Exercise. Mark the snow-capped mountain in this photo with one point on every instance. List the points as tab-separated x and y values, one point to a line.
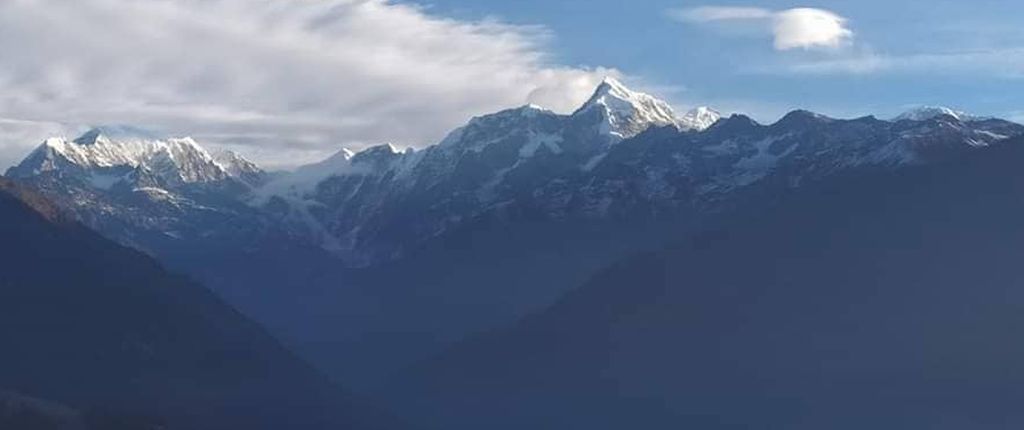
626	113
623	155
923	113
139	187
699	119
238	167
106	156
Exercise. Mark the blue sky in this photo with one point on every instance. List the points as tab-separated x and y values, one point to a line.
732	68
286	82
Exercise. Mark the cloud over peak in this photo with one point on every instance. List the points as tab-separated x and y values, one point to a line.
798	28
283	80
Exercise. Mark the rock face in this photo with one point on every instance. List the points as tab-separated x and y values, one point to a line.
103	329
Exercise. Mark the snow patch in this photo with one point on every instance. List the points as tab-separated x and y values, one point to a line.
538	140
103	181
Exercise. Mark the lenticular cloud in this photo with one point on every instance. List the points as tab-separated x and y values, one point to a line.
797	28
809	28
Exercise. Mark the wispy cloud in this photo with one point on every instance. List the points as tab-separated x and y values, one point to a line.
1006	63
18	136
289	79
798	28
720	13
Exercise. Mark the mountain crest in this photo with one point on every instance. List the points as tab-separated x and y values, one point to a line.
111	152
735	123
802	118
626	113
700	118
923	113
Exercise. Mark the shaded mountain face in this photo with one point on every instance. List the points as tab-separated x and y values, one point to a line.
104	330
882	300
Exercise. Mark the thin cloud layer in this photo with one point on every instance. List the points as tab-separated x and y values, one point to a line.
1000	63
287	81
798	28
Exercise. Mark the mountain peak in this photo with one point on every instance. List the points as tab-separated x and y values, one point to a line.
700	118
922	113
801	117
626	113
239	167
611	85
735	123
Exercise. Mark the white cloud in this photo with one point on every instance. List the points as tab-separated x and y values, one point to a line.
286	80
798	28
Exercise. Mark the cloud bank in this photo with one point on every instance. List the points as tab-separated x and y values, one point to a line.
285	81
798	28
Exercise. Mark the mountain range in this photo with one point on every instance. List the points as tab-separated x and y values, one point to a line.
372	261
380	204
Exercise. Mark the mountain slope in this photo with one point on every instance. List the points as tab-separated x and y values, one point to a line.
881	300
91	324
